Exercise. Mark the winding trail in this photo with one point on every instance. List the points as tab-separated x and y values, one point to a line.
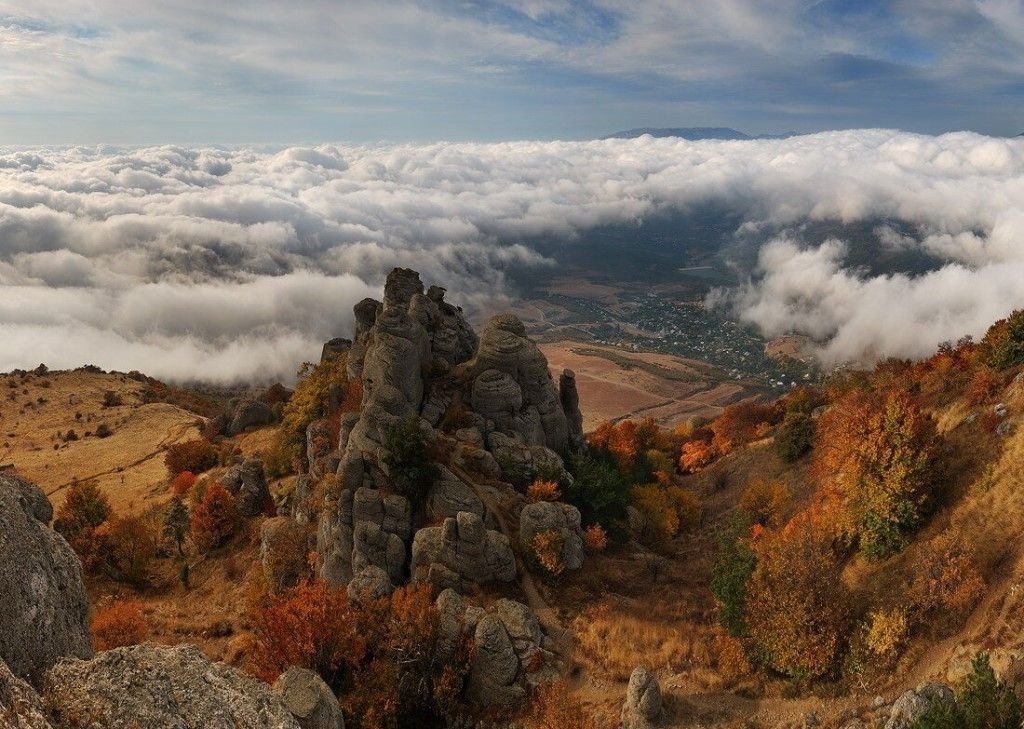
546	616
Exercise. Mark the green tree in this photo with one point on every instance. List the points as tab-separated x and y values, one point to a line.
795	437
1003	345
176	523
598	490
408	459
734	566
982	702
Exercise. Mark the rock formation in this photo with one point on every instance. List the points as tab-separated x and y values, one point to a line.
309	699
157	686
643	706
364	526
913	704
247	482
283	550
416	356
248	413
550	516
20	706
462	552
45	611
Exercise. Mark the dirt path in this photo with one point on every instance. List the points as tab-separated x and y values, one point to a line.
545	615
172	436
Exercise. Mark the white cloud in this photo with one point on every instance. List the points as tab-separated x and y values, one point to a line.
118	255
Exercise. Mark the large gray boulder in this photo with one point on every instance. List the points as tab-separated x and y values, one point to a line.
449	495
249	413
461	553
913	704
247	482
388	525
45	613
643	707
553	516
20	706
309	699
158	686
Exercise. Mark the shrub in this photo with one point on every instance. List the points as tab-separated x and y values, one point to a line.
552	708
598	490
796	603
408	460
82	520
983	387
795	437
543	491
886	631
104	431
111	399
183	483
733	567
547	551
765	500
120	624
741	423
311	626
595	538
1003	344
878	452
311	401
661	521
193	455
214	518
133	544
696	456
945	582
687	507
731	657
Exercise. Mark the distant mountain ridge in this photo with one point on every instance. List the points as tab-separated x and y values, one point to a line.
693	133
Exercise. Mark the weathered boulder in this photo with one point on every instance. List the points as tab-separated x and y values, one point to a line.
309	699
570	398
301	502
551	516
45	613
320	451
249	413
462	552
158	686
341	555
20	706
449	495
247	482
371	582
643	706
371	545
283	553
498	397
913	704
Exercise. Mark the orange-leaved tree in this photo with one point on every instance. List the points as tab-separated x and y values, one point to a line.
796	604
214	518
877	452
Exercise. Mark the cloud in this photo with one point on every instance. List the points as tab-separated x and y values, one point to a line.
227	263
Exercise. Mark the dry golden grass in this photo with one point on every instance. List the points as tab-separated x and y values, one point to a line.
128	465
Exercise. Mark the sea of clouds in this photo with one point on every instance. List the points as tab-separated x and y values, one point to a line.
236	264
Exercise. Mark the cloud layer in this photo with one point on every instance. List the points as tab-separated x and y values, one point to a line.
229	264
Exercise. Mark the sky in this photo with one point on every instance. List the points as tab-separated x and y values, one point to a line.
136	72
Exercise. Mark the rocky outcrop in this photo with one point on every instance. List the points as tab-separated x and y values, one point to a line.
20	706
370	583
913	704
462	552
309	699
320	452
450	494
570	398
45	611
562	519
157	686
334	347
248	413
247	482
283	552
642	708
342	555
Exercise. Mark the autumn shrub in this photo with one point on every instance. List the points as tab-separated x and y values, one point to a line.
878	453
193	455
687	506
121	623
410	674
313	626
183	483
887	630
731	657
741	423
765	500
595	538
733	567
598	490
1003	344
551	707
696	455
82	521
796	602
410	466
214	518
945	582
133	543
984	386
543	491
661	520
547	549
311	400
795	437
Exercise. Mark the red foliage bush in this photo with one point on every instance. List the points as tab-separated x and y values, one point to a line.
214	518
120	624
194	455
183	483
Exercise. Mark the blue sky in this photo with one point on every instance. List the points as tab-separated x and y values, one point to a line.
230	71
